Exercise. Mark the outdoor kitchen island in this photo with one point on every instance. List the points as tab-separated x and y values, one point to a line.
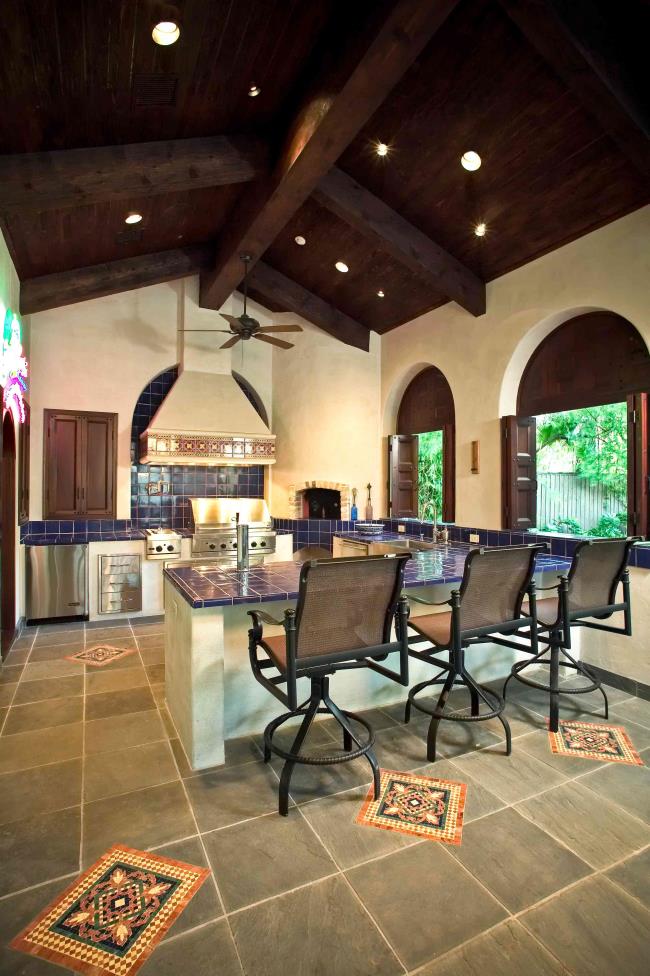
210	690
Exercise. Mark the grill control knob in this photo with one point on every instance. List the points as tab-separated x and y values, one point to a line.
159	548
263	544
234	545
170	548
254	545
223	545
212	546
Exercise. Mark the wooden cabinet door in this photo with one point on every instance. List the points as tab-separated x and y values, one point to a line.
98	485
403	475
519	472
62	475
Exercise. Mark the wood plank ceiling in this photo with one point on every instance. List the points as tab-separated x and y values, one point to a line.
563	147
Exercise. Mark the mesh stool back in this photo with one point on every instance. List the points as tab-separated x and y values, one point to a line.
596	571
494	585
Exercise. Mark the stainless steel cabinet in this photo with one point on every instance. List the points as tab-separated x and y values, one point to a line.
120	583
56	581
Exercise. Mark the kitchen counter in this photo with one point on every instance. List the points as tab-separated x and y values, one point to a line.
207	587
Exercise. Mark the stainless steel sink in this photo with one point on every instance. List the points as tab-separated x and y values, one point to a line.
401	545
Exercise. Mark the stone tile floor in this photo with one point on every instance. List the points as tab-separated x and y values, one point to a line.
551	877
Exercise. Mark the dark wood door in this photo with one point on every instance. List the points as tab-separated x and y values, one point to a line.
8	529
80	464
519	472
637	464
403	474
97	490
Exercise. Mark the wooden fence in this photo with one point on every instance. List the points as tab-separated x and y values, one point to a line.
565	495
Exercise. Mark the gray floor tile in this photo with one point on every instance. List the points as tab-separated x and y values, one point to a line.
238	752
155	673
125	770
10	673
512	778
519	863
40	790
49	688
134	729
99	681
600	833
118	703
55	638
16	913
44	715
208	951
143	819
425	871
52	669
265	857
478	801
400	747
55	652
106	635
634	876
7	695
333	819
229	795
508	950
634	710
205	905
595	929
152	656
26	749
158	692
18	656
458	738
3	714
39	848
628	786
320	930
318	735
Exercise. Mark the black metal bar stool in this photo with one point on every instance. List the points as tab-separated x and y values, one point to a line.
343	619
588	591
489	601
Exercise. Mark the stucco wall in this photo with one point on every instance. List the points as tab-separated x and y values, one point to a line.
483	358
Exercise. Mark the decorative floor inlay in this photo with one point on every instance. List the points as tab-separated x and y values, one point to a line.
419	805
112	917
607	743
101	655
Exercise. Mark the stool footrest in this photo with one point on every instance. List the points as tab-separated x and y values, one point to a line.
306	759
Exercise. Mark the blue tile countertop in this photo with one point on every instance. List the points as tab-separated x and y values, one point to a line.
279	581
81	538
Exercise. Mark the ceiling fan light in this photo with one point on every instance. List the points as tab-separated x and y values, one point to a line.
166	32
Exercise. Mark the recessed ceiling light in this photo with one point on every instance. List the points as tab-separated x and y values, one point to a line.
381	149
480	230
380	293
166	32
300	240
133	218
470	160
341	266
254	91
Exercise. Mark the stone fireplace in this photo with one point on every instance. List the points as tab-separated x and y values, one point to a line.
313	496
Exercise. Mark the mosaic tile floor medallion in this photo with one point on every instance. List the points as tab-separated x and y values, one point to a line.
418	805
607	743
101	655
109	921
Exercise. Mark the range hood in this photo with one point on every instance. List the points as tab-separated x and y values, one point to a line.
206	419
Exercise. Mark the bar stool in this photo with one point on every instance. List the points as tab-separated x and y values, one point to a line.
343	620
588	591
489	601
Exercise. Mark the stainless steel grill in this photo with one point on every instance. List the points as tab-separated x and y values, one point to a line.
163	544
215	528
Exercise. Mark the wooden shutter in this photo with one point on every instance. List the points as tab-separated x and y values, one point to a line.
519	472
63	460
637	464
99	468
23	468
449	473
403	476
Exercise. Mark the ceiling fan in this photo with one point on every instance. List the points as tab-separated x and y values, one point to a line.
246	327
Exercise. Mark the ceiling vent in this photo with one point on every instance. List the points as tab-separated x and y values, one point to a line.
154	90
129	235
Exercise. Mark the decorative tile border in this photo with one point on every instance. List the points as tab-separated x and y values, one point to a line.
591	740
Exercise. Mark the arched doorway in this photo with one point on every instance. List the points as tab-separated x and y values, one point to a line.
8	541
594	365
426	416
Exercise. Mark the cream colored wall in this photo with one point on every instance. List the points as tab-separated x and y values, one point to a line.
483	358
326	414
99	354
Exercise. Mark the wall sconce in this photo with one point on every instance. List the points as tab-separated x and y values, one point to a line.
475	468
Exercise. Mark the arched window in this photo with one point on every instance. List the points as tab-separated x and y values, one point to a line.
422	453
575	456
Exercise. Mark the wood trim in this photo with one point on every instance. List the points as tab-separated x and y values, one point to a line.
44	181
368	214
278	289
24	440
332	113
99	280
449	473
637	464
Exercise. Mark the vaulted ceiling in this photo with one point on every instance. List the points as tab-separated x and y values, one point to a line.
98	121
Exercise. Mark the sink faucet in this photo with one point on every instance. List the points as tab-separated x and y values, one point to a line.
432	505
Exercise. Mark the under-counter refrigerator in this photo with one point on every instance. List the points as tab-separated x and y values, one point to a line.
56	580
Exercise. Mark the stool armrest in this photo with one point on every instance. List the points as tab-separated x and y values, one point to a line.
262	615
429	603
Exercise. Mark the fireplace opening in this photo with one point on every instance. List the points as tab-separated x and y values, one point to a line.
322	503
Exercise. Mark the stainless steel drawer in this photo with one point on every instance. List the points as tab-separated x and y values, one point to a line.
120	583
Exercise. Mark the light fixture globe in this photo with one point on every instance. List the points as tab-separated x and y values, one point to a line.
166	32
341	266
470	160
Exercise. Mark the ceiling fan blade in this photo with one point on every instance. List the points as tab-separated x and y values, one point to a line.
230	342
224	331
274	342
230	319
280	328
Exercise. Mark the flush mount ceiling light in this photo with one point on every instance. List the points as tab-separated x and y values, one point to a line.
470	160
381	293
166	32
133	218
381	149
480	230
254	91
341	266
299	239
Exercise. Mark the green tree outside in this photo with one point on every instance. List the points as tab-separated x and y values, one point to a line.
430	471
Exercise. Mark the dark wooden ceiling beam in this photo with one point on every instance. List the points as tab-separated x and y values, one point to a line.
330	117
277	288
73	177
372	217
81	284
576	45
